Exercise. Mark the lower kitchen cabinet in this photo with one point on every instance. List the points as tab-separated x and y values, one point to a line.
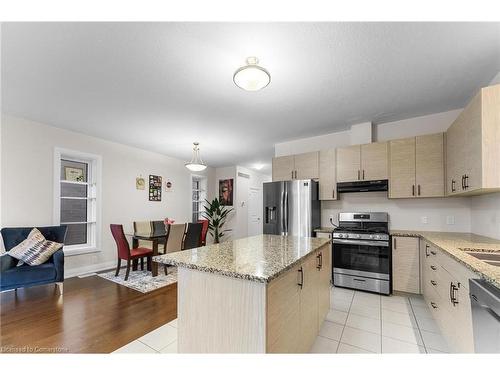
297	303
405	264
445	286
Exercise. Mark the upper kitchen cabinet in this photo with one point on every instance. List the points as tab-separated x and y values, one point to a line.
283	168
298	167
327	175
362	162
473	146
417	167
306	165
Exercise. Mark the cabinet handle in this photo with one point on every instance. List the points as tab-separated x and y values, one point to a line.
466	181
413	190
453	289
394	243
433	268
427	250
318	257
320	260
463	182
418	189
301	283
358	174
363	174
434	306
362	280
453	186
433	282
292	175
333	193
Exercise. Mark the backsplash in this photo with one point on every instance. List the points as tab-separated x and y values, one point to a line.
405	213
485	215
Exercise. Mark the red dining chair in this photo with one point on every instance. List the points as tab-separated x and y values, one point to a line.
125	252
204	230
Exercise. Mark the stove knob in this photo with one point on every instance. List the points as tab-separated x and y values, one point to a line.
377	237
341	235
371	237
358	236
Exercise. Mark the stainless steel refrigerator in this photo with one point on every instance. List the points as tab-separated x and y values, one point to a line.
291	208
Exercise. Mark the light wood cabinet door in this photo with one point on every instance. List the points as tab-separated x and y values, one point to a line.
306	165
349	163
452	159
327	176
309	303
406	264
325	271
374	161
402	168
472	152
430	165
283	168
283	313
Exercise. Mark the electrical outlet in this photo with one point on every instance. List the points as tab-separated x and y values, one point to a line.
330	217
425	219
450	220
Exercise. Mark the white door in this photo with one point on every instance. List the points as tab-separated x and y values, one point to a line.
255	211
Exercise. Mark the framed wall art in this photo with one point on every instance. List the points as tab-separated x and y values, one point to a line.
226	192
154	188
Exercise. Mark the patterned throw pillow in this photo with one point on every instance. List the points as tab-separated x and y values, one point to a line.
35	249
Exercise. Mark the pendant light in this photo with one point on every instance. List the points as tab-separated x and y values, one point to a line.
251	77
196	164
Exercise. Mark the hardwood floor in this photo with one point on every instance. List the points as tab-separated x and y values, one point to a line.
93	316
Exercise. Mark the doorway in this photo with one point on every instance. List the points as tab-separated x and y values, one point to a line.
255	203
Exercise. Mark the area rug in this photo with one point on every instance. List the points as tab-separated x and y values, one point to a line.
142	281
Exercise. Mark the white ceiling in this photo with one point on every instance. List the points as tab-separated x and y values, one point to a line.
161	86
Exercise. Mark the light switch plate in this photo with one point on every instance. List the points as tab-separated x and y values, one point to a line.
450	220
425	220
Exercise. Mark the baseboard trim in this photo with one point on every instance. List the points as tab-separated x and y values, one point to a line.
89	269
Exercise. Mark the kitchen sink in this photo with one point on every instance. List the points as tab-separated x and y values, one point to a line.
492	258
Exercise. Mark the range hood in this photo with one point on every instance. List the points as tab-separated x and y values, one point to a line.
359	186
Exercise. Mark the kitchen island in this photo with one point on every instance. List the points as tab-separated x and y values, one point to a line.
261	294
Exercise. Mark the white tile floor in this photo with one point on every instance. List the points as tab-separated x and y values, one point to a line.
357	322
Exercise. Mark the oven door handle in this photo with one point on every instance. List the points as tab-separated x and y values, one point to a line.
361	242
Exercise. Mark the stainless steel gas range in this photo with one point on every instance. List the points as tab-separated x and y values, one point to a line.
362	252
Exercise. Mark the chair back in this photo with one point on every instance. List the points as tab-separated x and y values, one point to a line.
193	236
143	227
122	245
204	231
14	236
175	237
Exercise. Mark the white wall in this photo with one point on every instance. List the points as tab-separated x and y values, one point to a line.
27	184
404	213
485	215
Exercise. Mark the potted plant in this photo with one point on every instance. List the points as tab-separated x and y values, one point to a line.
216	214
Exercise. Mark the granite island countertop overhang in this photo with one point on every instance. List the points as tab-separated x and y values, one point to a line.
455	244
259	258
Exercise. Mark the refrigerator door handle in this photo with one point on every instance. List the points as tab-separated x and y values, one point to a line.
282	212
286	213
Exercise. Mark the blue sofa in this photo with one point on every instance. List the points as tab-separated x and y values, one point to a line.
52	271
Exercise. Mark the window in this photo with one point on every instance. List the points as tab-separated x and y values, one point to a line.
199	196
76	199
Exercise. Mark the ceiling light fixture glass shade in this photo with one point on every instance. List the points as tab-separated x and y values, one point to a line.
196	164
252	77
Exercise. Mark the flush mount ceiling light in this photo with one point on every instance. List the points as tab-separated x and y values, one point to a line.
196	164
252	77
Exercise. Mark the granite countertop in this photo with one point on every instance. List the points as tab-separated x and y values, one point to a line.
259	258
456	244
324	229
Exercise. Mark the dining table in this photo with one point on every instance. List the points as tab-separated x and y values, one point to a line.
155	237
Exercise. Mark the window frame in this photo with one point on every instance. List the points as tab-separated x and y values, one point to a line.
94	179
